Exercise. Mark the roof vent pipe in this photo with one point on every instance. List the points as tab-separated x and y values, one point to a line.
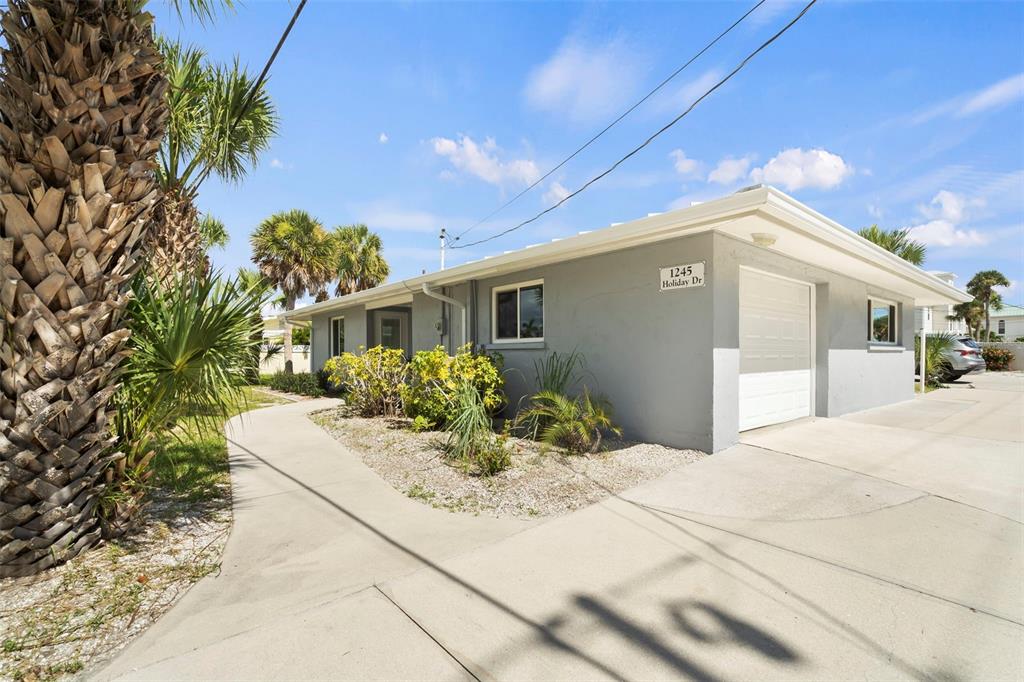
458	304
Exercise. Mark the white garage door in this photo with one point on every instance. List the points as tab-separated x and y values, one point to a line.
775	350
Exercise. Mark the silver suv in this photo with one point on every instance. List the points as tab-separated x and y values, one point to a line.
964	357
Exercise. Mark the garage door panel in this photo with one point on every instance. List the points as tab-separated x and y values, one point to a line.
775	350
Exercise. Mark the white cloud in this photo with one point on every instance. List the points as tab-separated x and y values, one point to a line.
729	170
685	95
556	192
685	166
586	82
277	163
950	206
797	168
482	160
944	233
383	138
875	211
1008	293
994	96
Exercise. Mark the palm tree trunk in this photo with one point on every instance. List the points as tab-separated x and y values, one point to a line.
82	114
289	304
175	242
988	319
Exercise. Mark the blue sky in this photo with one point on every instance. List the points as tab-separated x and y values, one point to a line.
413	116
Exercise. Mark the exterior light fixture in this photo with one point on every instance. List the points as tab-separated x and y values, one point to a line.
763	238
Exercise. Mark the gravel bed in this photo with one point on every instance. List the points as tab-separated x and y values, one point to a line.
542	481
72	617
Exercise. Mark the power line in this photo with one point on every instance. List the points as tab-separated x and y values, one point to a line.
649	139
251	98
624	114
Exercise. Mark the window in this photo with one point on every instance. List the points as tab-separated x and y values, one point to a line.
337	336
882	323
391	332
518	312
1002	327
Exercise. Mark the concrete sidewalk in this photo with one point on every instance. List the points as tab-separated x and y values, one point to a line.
827	549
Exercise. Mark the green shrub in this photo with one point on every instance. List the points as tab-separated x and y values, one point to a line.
575	424
373	381
1019	339
301	383
997	359
558	372
434	377
470	439
936	363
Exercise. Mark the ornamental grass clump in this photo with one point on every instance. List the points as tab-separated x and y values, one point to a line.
430	395
471	442
936	364
372	382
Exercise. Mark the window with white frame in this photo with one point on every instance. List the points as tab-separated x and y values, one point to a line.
337	336
1002	327
882	322
517	312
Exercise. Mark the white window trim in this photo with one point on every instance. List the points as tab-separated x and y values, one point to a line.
331	337
895	343
494	312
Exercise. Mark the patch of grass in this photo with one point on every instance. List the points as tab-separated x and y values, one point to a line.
417	492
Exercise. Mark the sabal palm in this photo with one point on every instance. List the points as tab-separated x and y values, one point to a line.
219	124
294	251
982	287
573	423
361	264
82	114
896	241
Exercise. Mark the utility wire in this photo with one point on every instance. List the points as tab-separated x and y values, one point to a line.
251	98
624	114
649	139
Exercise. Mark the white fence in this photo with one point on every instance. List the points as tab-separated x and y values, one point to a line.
300	360
1016	348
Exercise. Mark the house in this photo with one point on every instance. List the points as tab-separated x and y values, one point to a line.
696	324
1008	321
936	319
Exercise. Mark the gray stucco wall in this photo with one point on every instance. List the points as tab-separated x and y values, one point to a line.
668	361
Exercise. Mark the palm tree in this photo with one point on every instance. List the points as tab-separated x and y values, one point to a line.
83	111
982	287
293	251
972	313
360	263
218	124
896	241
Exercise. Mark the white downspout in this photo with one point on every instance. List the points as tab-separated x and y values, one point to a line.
447	299
924	378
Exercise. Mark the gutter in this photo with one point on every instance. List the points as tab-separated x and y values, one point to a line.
448	299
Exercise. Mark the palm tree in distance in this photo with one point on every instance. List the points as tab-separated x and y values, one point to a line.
360	262
982	287
294	251
896	241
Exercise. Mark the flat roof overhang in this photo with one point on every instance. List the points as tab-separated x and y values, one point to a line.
800	232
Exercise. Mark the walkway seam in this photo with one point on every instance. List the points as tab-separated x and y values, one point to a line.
425	631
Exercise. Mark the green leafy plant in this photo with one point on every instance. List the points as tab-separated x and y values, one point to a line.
434	377
576	424
421	424
301	383
191	350
373	381
936	364
470	438
558	372
997	359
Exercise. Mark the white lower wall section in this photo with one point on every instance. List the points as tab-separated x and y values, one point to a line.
726	398
774	397
859	379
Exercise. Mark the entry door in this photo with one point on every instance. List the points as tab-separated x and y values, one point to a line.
775	350
390	332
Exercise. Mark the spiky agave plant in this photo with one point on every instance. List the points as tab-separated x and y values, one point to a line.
192	346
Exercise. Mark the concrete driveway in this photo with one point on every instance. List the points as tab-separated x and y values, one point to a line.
886	545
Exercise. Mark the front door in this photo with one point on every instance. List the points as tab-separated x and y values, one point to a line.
775	349
390	331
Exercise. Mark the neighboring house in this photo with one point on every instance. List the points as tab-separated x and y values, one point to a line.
273	329
934	319
696	324
273	337
1008	321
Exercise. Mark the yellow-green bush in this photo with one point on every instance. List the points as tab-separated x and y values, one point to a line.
373	382
434	377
